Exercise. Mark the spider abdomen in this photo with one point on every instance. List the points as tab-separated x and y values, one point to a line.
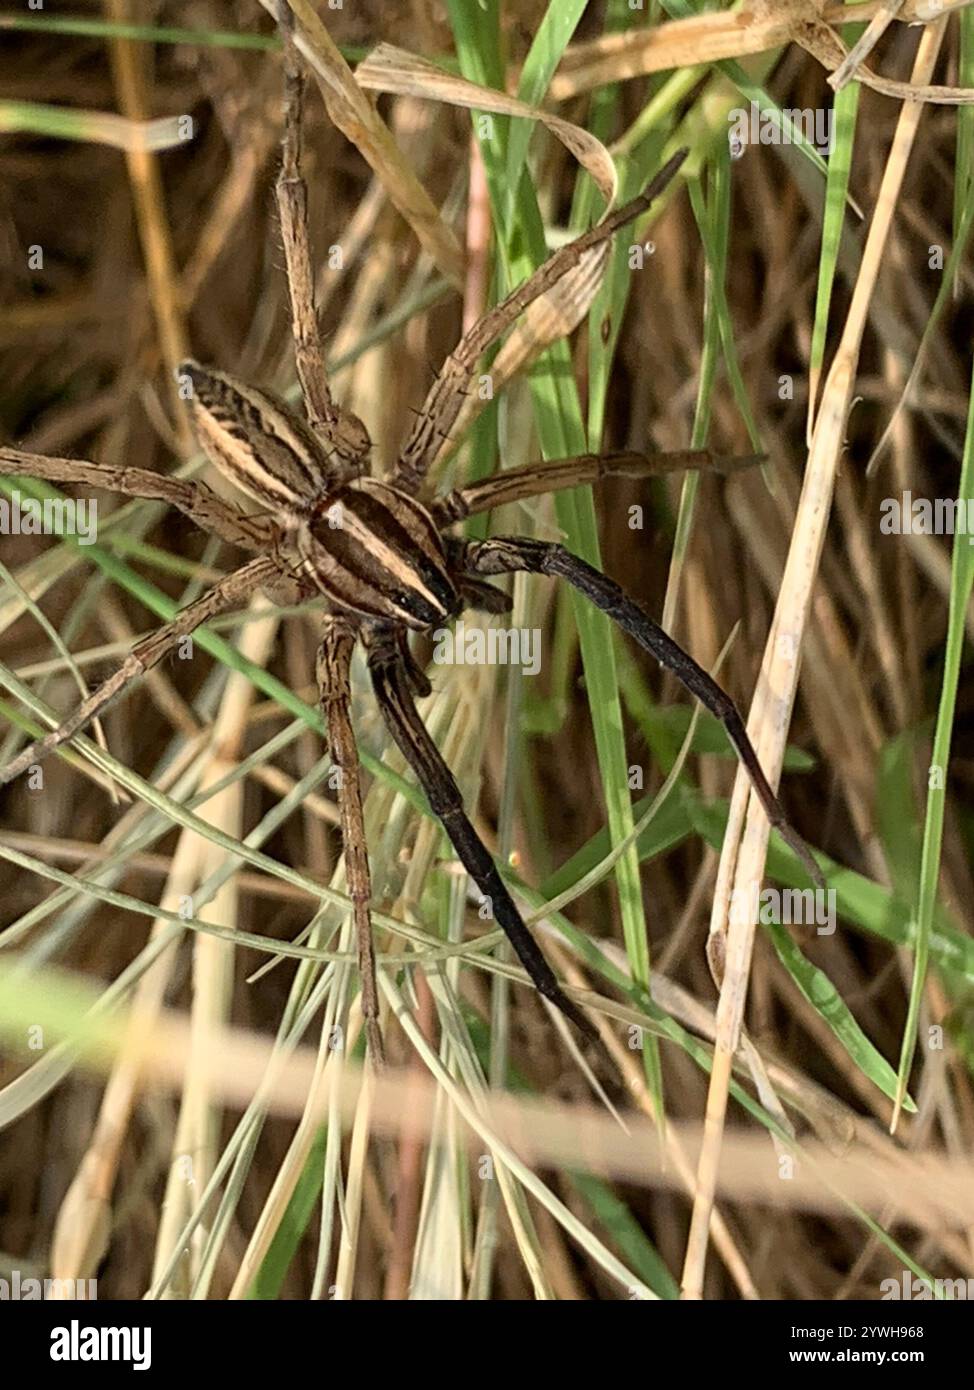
376	551
256	441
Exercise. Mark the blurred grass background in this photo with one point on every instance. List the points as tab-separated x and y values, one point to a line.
225	821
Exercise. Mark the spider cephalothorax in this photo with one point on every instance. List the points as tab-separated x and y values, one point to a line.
386	562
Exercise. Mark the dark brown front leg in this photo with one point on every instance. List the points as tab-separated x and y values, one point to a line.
391	684
508	554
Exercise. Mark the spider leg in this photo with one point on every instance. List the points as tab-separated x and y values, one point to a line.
228	593
418	680
509	554
195	500
344	434
535	479
483	597
474	593
391	684
445	397
333	667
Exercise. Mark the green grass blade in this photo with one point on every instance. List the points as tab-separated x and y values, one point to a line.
961	582
845	112
825	999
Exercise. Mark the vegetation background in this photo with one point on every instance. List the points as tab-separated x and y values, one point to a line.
818	311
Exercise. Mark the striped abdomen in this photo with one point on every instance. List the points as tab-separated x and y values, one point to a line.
257	441
376	551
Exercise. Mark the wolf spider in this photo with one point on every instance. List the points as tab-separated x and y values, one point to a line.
390	565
